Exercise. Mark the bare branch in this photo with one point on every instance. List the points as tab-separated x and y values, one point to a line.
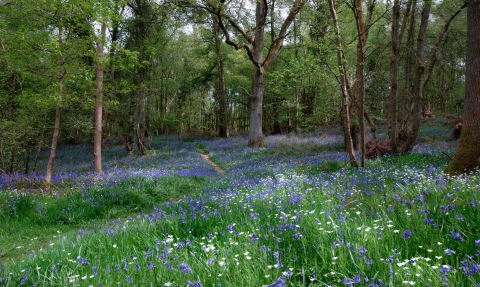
434	59
278	43
248	93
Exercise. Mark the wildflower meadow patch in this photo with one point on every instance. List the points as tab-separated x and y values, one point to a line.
290	214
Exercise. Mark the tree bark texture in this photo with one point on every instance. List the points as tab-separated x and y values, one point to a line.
419	78
221	94
359	88
255	135
396	36
344	87
467	156
97	141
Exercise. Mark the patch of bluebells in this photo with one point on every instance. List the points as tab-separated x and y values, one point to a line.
291	201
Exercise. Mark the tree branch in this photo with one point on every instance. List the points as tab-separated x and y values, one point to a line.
277	45
433	59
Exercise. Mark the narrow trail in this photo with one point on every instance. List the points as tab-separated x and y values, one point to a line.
217	168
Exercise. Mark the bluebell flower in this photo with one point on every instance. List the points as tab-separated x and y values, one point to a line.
406	234
24	278
456	235
194	284
82	261
348	281
185	268
449	251
129	279
279	283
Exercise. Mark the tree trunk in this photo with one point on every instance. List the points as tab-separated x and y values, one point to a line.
221	93
97	141
396	35
419	78
255	54
56	126
392	117
255	136
141	127
402	130
467	156
360	76
344	88
53	148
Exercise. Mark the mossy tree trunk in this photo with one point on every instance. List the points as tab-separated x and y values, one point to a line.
467	156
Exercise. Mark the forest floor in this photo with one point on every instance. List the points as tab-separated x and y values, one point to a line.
290	214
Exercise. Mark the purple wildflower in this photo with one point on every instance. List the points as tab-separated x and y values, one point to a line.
406	234
449	251
129	279
194	284
185	268
456	235
24	278
279	283
82	261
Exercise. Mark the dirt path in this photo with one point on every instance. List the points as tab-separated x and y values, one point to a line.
217	168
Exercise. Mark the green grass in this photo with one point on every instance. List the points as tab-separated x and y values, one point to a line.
29	220
312	225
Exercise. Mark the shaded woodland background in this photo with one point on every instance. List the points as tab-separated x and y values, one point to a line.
166	69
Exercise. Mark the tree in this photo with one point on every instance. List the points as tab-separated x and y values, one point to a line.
467	156
61	81
254	35
423	74
97	142
220	90
344	87
359	87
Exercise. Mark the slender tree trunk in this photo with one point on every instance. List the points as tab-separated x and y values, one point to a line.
467	156
392	119
343	82
402	129
419	78
56	126
141	127
360	74
53	148
97	141
396	35
433	58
